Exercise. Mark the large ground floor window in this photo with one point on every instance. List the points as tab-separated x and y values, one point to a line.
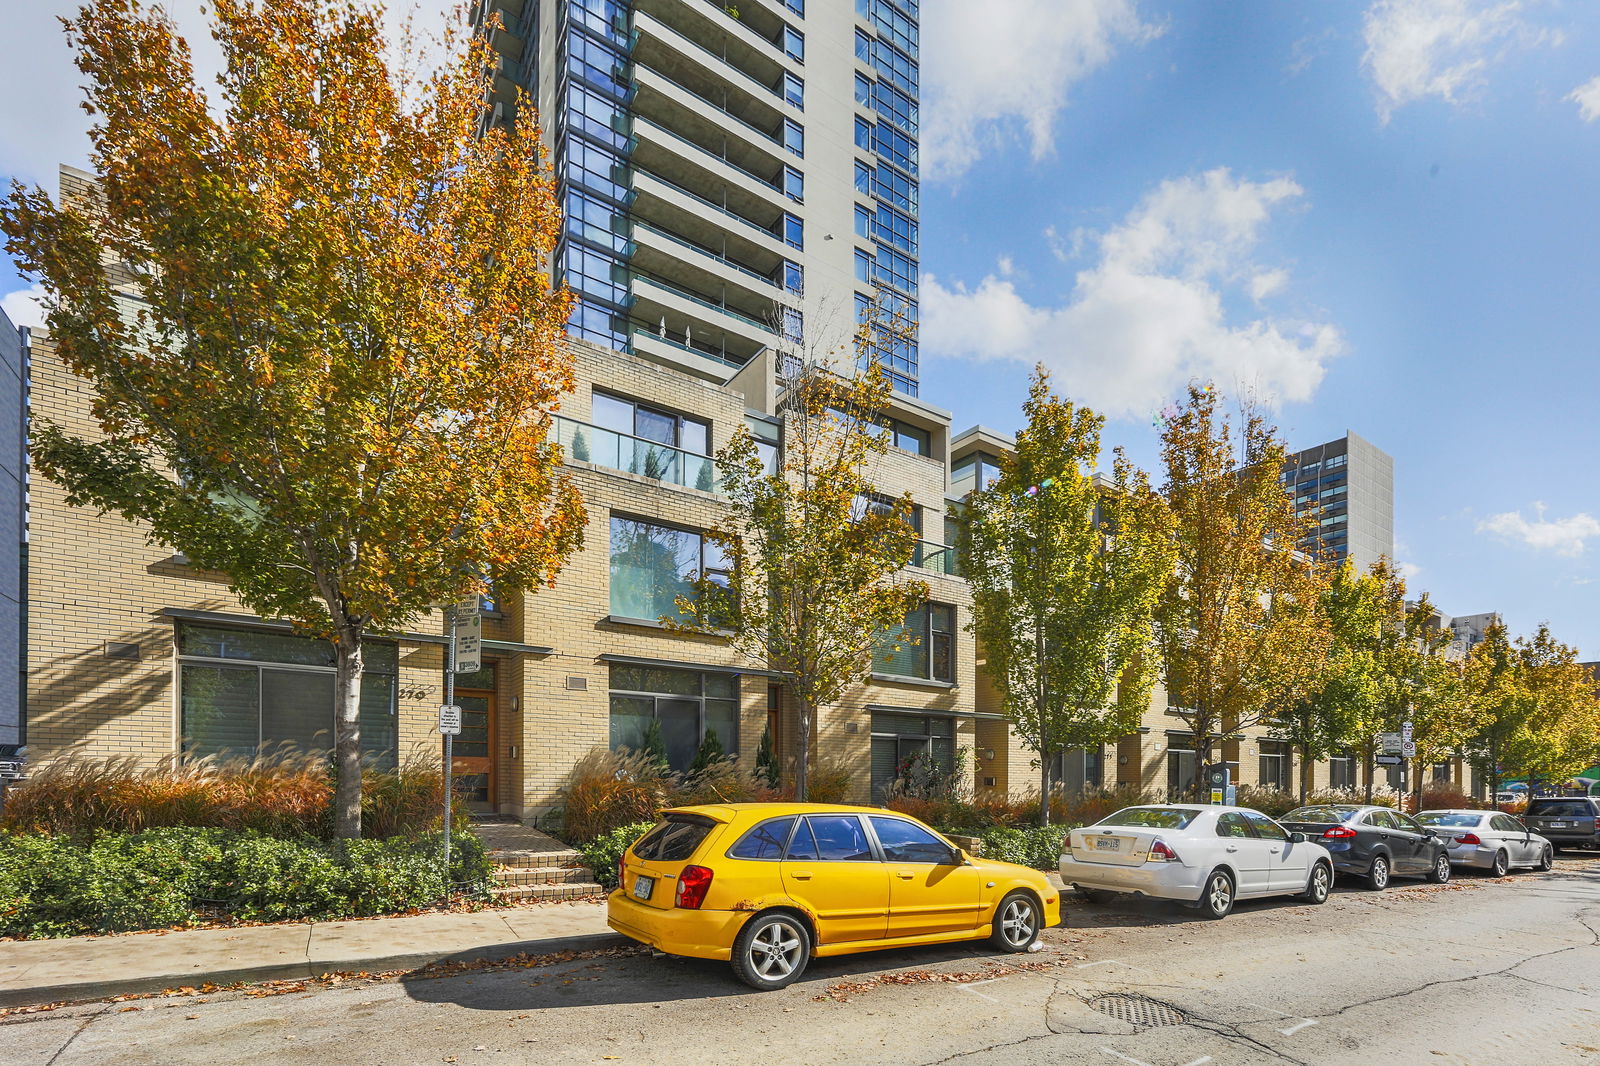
1180	766
900	741
687	703
244	691
1274	756
1079	769
1342	771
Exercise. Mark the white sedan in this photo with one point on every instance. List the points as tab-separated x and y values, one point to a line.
1206	856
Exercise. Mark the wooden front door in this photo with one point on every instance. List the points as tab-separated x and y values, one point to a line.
473	762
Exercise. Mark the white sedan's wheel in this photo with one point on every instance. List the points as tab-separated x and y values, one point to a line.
1216	899
1319	885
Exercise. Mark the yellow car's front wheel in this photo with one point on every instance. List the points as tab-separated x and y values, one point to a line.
771	951
1016	922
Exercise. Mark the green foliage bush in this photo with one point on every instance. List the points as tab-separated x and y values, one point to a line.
158	878
602	853
1271	802
1036	846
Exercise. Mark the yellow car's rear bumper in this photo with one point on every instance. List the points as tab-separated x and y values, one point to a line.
702	934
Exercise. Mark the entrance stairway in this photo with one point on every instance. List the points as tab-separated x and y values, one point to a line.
530	865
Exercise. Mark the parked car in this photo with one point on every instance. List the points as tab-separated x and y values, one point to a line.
1373	843
1489	840
1206	856
1566	821
768	886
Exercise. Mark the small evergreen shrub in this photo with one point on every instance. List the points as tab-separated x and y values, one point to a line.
603	852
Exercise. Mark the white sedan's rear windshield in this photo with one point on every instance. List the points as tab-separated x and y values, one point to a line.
1453	821
1151	817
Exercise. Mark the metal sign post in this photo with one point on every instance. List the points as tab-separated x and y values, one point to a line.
449	736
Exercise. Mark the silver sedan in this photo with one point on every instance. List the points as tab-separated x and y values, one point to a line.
1489	840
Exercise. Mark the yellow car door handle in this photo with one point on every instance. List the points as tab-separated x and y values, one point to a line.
905	876
801	875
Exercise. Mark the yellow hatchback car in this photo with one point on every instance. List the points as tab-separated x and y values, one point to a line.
769	885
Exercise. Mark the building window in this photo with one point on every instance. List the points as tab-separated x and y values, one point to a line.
793	231
1079	769
651	423
791	325
1180	766
864	267
768	438
794	278
794	89
688	704
794	44
975	471
794	137
932	657
794	184
652	565
1342	771
1441	772
901	741
1274	756
245	691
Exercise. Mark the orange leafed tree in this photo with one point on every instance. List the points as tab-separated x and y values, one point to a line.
317	318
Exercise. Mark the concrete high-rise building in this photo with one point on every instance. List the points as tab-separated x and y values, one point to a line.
1348	485
736	178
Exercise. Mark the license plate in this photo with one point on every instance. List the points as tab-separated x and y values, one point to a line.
1107	844
1558	825
643	886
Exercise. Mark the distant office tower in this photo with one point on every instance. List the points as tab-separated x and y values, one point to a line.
1349	485
13	400
737	177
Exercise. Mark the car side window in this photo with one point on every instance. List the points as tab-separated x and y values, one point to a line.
1382	820
840	838
1265	827
765	841
903	842
1506	824
1233	824
1405	822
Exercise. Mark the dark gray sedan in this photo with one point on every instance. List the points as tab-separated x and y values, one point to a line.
1489	840
1373	843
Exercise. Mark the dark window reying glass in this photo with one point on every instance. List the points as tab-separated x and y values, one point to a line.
765	841
839	838
904	842
1151	817
674	840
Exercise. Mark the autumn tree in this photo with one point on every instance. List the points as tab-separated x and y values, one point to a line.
816	550
1494	682
1559	733
1334	715
317	319
1066	567
1239	625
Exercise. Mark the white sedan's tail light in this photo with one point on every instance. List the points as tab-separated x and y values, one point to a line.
1161	851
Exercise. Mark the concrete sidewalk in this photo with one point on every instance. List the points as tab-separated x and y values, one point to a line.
92	967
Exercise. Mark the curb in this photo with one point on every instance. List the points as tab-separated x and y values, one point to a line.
103	988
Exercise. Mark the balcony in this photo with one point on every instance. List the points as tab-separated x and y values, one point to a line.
635	455
940	558
674	252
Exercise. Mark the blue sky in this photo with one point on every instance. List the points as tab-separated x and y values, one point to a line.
1377	216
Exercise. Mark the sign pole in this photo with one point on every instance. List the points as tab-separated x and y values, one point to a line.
449	738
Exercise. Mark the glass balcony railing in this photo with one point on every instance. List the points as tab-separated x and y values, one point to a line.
707	252
940	558
636	455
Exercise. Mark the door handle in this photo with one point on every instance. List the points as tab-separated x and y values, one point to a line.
1273	850
905	876
1231	847
801	875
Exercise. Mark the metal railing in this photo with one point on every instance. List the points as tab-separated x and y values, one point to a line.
940	558
636	455
703	250
685	294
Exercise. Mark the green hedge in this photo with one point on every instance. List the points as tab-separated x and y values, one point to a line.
602	853
1035	846
57	886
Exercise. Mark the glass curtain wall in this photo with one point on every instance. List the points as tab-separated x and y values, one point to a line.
687	703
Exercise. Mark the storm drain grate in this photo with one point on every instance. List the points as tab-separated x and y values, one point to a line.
1137	1010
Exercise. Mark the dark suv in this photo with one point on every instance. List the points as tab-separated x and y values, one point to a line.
1373	843
1565	821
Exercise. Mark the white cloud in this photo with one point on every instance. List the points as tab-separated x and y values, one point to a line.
1149	314
1001	70
24	306
1564	536
1407	571
1422	48
41	124
1587	97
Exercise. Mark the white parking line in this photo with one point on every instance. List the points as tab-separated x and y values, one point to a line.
1293	1029
1110	962
1201	1061
968	987
1305	1023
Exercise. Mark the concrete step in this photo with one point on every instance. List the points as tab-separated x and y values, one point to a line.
532	859
545	875
526	893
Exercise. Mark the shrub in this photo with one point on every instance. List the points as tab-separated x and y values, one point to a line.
767	761
60	886
719	781
1437	796
710	751
282	794
1035	846
830	781
603	852
1272	802
608	789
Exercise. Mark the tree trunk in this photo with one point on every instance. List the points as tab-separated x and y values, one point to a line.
1305	773
1044	784
1416	787
802	748
347	732
1494	775
1367	765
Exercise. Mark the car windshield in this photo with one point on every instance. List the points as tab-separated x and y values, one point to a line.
1453	821
674	840
1326	814
1152	817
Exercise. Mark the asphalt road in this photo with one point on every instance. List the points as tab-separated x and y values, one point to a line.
1481	971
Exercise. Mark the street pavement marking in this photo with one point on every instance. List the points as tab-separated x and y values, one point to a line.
967	987
1305	1023
1111	962
1201	1061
